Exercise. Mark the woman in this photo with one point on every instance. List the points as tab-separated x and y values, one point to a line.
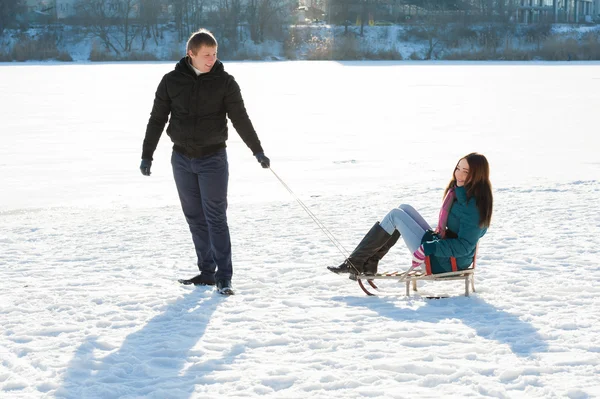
464	218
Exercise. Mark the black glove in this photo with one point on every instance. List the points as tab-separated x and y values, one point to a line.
145	167
263	160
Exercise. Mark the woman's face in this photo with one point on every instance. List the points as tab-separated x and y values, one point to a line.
461	172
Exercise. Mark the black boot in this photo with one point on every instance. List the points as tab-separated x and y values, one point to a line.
371	265
370	244
203	278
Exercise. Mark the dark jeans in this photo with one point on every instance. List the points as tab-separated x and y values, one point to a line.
202	187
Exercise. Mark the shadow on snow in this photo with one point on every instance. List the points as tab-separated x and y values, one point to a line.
488	321
152	361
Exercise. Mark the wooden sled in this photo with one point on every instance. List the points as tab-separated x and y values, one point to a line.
412	276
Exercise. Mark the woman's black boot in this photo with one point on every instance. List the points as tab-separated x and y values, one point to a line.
370	244
370	267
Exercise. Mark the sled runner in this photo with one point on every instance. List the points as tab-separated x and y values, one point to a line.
412	276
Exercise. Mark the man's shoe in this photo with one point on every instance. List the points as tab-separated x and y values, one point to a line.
201	279
224	287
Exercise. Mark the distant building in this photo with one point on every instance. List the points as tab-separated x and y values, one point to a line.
565	11
58	9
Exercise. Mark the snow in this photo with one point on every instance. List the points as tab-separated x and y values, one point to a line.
91	249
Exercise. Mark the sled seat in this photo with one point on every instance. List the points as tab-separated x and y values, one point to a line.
468	275
412	276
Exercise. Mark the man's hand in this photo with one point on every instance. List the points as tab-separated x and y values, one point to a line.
263	160
145	167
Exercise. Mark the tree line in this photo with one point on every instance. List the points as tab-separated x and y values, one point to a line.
140	20
121	25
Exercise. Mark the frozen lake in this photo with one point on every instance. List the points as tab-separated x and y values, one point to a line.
90	250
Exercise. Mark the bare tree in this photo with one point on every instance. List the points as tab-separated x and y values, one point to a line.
198	13
111	22
95	16
339	12
264	15
149	14
189	15
432	27
433	32
9	9
124	14
229	18
367	9
253	13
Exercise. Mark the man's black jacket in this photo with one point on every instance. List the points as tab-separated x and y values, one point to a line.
198	106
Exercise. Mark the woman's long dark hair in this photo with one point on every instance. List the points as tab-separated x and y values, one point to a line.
477	185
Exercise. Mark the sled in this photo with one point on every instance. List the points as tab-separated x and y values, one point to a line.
412	276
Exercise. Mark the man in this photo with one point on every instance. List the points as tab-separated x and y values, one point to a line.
199	94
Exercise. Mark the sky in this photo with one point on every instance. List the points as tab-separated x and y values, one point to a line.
91	250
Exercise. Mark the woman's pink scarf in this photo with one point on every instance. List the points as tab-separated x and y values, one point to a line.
443	219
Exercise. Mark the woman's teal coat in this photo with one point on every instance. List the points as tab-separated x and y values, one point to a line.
463	220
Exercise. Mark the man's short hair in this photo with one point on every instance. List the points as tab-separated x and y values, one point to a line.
201	38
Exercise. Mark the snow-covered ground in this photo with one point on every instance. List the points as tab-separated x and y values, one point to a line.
90	250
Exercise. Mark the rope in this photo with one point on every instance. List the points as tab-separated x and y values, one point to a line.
324	229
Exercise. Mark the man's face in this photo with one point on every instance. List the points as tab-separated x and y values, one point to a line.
204	59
